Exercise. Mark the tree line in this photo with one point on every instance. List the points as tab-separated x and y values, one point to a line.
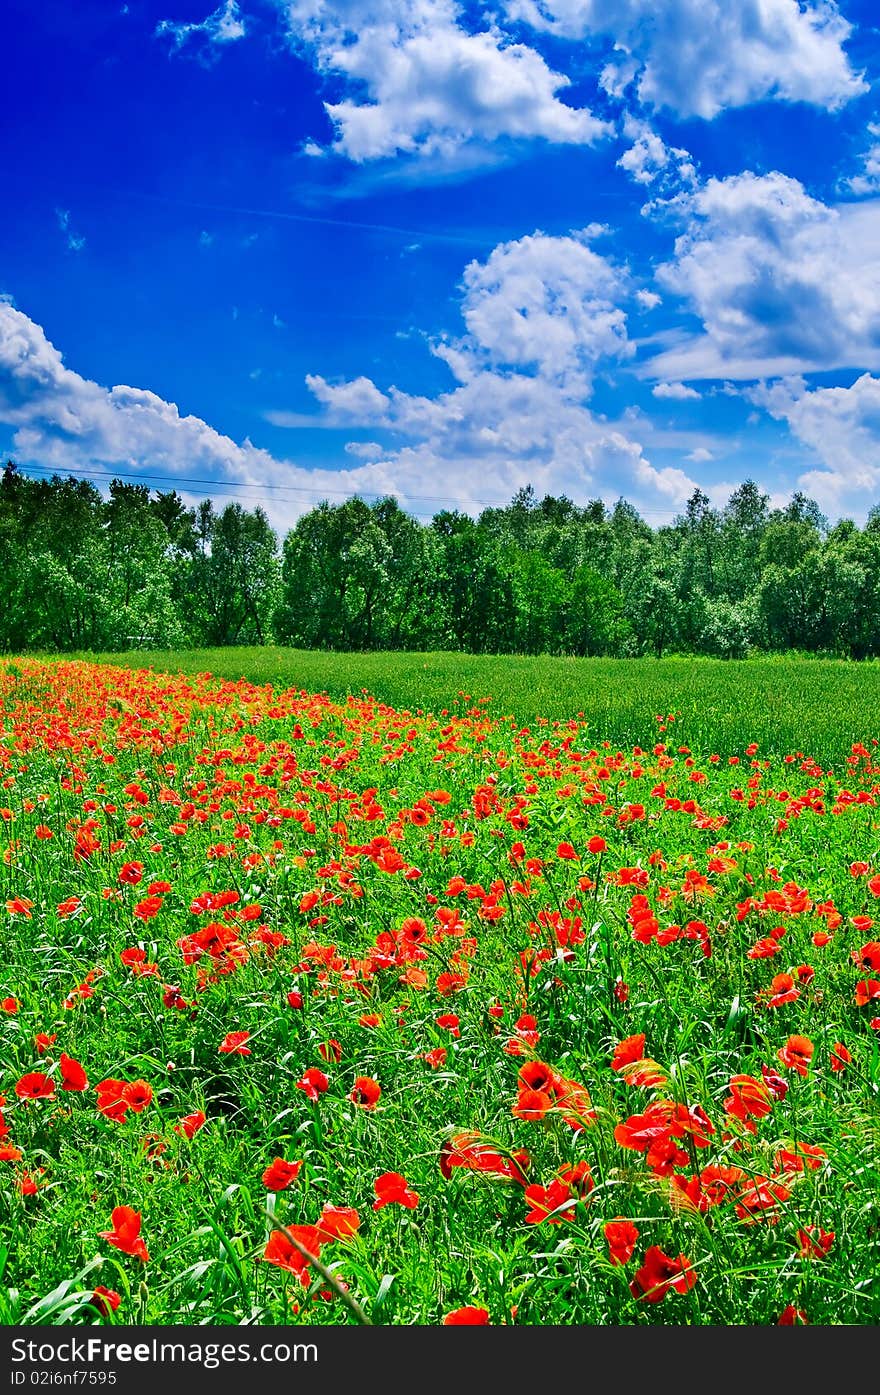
541	576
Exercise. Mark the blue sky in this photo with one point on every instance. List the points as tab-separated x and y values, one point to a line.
291	249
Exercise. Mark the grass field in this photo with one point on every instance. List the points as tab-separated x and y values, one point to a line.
822	706
319	1010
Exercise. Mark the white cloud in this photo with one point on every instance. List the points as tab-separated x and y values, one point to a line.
842	426
649	300
75	243
539	315
868	181
674	392
699	57
224	26
781	282
699	455
418	82
649	159
545	302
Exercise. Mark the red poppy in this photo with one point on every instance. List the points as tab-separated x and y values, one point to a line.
337	1223
330	1051
537	1076
840	1057
660	1273
867	991
280	1174
43	1040
621	1236
449	1022
313	1083
437	1057
137	1095
234	1043
467	1317
554	1203
366	1092
9	1005
72	1074
393	1189
796	1054
131	873
106	1300
281	1251
792	1317
190	1124
35	1086
125	1235
111	1101
477	1154
533	1105
629	1050
814	1242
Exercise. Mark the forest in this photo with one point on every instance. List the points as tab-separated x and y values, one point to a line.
139	569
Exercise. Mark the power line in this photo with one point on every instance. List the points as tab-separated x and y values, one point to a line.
263	487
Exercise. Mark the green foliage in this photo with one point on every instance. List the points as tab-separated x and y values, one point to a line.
537	577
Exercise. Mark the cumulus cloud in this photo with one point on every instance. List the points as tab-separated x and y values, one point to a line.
675	392
841	425
782	282
417	81
651	162
539	314
867	181
699	57
204	39
548	303
475	444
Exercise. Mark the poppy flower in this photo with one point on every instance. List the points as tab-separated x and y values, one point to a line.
629	1050
337	1223
190	1124
840	1057
72	1074
537	1075
393	1189
814	1242
867	991
281	1251
111	1101
467	1317
660	1274
437	1057
9	1005
280	1174
792	1317
313	1083
9	1153
330	1051
44	1040
533	1105
621	1236
106	1300
366	1092
450	1023
138	1095
294	999
554	1203
796	1054
35	1086
125	1235
234	1044
476	1154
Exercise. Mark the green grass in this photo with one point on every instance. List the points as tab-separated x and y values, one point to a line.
820	706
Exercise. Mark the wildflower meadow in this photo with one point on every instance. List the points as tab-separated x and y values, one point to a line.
318	1010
